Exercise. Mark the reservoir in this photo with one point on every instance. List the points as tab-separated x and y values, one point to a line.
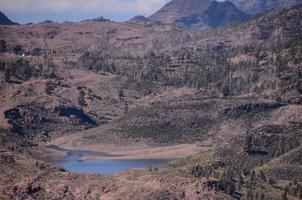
72	163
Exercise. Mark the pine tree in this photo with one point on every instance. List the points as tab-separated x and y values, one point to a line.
300	192
284	196
262	175
252	177
7	75
248	143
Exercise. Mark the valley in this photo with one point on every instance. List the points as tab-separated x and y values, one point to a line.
202	100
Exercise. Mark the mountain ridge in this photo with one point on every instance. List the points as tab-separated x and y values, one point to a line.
176	9
235	92
217	14
259	6
199	13
4	20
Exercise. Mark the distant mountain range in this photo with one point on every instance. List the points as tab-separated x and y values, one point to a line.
227	99
203	13
208	13
178	9
260	6
4	20
199	13
217	14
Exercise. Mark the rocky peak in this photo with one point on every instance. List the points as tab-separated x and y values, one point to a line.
178	9
222	13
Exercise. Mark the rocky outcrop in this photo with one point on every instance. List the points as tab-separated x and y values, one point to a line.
73	112
36	122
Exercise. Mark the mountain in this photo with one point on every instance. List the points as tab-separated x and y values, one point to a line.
199	13
47	22
260	6
218	14
139	20
178	9
4	20
208	13
127	91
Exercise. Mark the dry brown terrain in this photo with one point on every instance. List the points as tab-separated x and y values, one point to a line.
226	101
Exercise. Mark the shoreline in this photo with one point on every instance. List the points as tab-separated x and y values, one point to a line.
127	152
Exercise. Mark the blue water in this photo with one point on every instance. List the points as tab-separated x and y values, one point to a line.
104	167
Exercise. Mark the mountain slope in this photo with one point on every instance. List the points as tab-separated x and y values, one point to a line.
235	91
4	20
178	9
224	13
199	13
260	6
218	14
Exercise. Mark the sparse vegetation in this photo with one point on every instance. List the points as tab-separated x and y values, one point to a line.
234	92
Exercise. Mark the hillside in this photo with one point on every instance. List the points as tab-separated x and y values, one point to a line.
177	9
199	13
220	14
234	92
88	35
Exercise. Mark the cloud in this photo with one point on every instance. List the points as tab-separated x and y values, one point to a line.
102	6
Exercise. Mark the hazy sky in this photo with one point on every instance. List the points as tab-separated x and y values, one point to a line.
25	11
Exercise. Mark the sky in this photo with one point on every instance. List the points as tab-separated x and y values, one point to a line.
26	11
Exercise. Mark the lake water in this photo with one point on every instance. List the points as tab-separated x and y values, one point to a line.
105	167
